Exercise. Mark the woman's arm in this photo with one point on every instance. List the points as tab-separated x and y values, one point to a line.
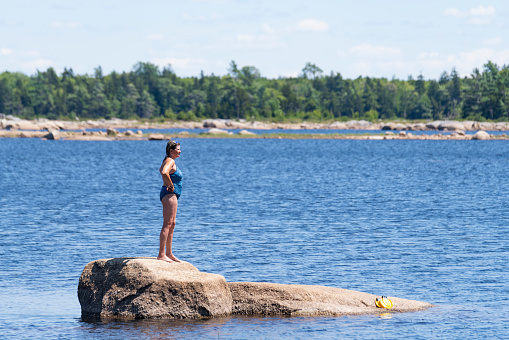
165	170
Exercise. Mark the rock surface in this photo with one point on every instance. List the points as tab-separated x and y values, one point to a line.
52	135
216	131
250	298
156	136
481	135
112	132
134	288
246	133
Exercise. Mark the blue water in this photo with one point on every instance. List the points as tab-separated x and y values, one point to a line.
423	220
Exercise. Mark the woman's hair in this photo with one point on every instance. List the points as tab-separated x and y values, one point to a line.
172	145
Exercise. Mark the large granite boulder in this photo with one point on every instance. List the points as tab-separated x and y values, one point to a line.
29	134
338	126
52	135
358	124
451	126
112	132
246	133
417	127
389	126
156	136
394	126
215	123
434	125
231	124
481	135
24	125
260	298
91	137
215	131
51	125
134	288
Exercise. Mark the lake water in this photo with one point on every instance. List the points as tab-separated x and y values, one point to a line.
416	219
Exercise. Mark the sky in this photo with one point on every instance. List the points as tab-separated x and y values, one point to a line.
390	38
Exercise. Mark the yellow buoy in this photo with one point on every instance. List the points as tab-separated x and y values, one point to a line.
383	302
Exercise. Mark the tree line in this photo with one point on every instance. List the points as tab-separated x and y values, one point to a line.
151	93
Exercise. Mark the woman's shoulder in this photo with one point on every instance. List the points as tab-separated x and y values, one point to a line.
168	160
167	165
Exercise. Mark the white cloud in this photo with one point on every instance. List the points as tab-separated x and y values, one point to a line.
248	38
32	54
266	28
202	18
182	63
310	25
464	62
38	64
269	38
68	24
260	41
454	12
477	16
427	55
479	21
431	68
214	2
371	51
367	61
363	68
154	37
493	41
373	60
482	11
6	51
467	61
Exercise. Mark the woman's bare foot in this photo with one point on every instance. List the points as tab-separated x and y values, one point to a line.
173	258
164	258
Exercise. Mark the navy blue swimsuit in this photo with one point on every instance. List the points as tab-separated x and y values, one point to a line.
176	178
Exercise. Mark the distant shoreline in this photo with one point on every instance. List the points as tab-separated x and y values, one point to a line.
218	128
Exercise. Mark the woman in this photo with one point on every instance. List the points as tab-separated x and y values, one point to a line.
169	195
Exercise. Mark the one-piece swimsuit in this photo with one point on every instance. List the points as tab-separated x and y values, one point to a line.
176	178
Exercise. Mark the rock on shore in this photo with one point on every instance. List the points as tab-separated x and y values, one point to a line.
15	123
133	288
481	135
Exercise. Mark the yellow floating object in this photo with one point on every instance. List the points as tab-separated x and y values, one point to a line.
383	302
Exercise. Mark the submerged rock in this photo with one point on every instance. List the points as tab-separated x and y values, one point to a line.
259	298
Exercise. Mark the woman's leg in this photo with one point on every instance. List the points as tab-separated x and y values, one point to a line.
166	236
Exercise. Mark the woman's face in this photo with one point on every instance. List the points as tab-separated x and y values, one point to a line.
175	153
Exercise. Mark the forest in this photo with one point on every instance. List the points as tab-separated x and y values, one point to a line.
147	92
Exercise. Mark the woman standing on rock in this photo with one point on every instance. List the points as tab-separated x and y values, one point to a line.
169	195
